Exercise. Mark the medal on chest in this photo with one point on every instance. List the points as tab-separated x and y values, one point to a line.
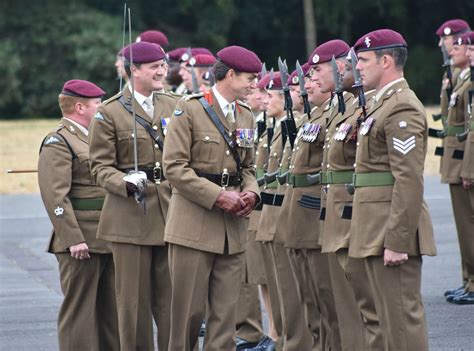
366	126
245	137
164	125
310	132
342	132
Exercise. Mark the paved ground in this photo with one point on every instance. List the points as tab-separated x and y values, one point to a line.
30	294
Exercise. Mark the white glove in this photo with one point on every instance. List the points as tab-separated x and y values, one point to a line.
135	177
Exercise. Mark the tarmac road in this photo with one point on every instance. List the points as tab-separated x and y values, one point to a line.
30	294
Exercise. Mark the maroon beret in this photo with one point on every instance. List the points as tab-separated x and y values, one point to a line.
454	26
202	60
293	79
465	39
175	55
82	88
240	59
380	39
144	52
270	84
153	36
325	52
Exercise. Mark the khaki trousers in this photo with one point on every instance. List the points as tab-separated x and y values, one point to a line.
270	278
398	302
356	275
463	209
249	314
88	315
198	277
297	335
310	299
321	279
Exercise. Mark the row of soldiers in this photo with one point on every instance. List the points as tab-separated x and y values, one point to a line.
310	192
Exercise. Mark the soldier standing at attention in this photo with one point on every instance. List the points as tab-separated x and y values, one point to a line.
391	227
209	162
143	285
88	316
462	193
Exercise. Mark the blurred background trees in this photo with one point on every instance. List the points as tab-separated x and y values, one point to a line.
45	43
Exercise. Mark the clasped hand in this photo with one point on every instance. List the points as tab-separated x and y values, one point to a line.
240	204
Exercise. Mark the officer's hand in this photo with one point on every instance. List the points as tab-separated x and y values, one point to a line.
466	183
250	199
131	188
394	258
230	201
79	251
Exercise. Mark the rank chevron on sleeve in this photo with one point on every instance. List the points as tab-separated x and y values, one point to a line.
404	146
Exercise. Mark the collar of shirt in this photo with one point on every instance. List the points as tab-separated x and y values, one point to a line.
80	127
464	72
141	98
386	87
223	103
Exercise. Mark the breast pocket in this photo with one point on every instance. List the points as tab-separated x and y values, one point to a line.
206	146
125	144
81	169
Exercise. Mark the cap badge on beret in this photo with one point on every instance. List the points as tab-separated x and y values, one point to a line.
367	41
192	61
315	58
447	31
459	41
185	57
295	80
139	39
270	84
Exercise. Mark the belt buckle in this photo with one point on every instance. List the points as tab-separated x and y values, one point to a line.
225	178
157	173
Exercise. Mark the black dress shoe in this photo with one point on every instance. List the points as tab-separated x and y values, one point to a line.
243	344
464	299
265	344
454	291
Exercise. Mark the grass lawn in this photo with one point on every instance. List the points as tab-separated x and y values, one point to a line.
20	140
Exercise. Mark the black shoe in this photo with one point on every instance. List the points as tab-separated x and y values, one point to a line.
243	345
464	299
454	291
265	344
202	331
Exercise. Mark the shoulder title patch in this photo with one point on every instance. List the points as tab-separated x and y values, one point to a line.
99	116
51	140
178	112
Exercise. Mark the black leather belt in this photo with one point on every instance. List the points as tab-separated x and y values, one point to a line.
224	179
272	199
152	174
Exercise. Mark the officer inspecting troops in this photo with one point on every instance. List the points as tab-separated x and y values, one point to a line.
136	231
88	316
462	193
391	228
208	159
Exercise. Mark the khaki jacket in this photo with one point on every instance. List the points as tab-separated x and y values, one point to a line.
111	151
457	117
393	216
64	174
299	226
340	156
197	145
467	169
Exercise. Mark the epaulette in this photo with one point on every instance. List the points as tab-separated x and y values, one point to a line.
192	96
113	98
173	94
167	94
243	104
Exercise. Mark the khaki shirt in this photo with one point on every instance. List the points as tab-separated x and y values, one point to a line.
393	216
197	146
467	169
111	151
457	117
64	174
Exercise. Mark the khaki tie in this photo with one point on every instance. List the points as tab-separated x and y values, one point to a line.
230	115
148	106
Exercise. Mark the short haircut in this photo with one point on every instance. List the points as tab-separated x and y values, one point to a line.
220	70
67	103
127	64
399	55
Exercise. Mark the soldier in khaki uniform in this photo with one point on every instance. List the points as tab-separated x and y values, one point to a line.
209	164
88	317
143	285
354	303
462	194
391	227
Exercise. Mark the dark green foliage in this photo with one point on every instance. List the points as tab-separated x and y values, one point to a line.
45	43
